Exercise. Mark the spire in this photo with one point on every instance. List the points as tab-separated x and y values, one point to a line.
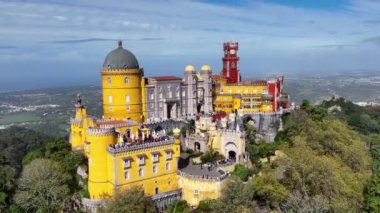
120	44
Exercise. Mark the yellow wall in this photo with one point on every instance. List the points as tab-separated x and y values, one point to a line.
206	189
98	179
119	107
249	98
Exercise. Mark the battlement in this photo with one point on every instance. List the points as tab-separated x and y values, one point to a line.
74	121
113	123
205	177
228	132
132	147
100	131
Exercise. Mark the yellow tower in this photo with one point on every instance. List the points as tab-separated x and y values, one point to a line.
98	177
121	83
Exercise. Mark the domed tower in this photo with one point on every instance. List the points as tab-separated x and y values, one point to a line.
206	75
121	83
191	90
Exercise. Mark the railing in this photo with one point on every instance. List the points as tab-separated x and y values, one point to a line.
131	147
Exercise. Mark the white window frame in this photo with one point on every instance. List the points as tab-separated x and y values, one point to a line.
141	160
126	163
169	155
127	176
155	157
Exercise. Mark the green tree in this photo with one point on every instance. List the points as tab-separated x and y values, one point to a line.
42	187
267	188
131	201
180	206
236	197
241	172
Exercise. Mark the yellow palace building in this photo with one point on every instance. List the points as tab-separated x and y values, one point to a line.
120	152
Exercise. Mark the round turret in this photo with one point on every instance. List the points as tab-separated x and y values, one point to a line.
120	58
206	69
189	69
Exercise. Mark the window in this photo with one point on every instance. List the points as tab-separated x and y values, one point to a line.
265	91
110	99
151	105
126	80
168	154
233	65
229	91
254	90
151	96
183	93
87	147
177	95
155	157
155	169
126	163
167	166
160	104
196	193
127	98
128	108
160	96
126	175
110	108
170	95
141	172
246	90
141	160
109	81
238	91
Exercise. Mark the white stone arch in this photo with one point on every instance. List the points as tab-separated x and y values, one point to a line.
231	150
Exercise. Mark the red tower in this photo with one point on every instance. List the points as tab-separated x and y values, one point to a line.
231	62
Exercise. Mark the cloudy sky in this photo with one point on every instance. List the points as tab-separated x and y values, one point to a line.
45	43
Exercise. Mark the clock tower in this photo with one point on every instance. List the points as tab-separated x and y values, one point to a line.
231	62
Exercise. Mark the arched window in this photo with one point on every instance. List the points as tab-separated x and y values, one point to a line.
155	169
110	99
141	172
127	98
233	65
168	166
126	175
109	81
126	80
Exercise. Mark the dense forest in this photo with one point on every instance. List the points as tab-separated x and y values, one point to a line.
327	160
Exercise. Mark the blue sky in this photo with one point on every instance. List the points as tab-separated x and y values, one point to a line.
63	43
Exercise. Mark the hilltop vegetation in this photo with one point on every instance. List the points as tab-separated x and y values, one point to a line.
329	162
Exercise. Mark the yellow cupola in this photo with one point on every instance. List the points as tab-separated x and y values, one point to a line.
121	84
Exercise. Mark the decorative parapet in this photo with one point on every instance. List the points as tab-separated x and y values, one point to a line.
100	131
228	132
74	121
120	71
197	137
110	123
132	147
164	120
223	175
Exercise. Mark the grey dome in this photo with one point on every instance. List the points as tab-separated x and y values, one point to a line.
120	58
